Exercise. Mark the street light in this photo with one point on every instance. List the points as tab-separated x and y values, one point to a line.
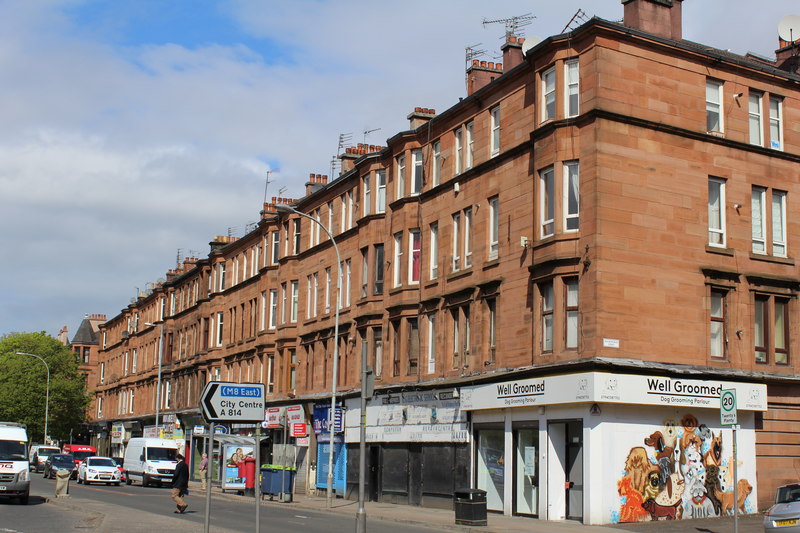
47	391
283	208
158	383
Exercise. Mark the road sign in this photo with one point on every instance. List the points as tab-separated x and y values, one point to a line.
727	407
232	402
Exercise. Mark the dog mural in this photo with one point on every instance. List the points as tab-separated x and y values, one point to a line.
679	473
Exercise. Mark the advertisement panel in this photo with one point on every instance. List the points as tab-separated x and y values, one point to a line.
235	455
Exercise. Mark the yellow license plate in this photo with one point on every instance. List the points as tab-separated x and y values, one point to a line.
792	522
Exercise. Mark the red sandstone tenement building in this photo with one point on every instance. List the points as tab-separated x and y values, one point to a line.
553	280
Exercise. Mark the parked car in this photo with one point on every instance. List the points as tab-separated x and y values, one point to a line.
39	454
60	461
784	516
119	461
98	470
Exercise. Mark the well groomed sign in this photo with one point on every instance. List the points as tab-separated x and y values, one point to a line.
612	388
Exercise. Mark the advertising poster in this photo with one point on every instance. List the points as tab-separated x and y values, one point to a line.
235	454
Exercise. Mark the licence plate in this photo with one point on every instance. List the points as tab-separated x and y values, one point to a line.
780	523
2	487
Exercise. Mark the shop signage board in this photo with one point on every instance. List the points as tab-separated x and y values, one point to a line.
299	429
603	387
727	408
232	402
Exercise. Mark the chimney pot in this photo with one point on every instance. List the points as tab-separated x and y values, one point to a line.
475	62
483	63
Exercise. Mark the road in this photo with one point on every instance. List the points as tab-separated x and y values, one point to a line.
135	508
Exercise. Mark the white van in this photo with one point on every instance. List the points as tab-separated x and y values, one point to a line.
39	453
15	478
149	460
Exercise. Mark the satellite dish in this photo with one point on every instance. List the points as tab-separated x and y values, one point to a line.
789	28
529	43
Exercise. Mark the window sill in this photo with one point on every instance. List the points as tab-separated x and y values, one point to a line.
459	274
491	263
772	259
718	250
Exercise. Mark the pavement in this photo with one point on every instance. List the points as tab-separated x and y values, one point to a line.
108	518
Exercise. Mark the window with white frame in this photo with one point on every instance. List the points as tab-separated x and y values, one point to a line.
273	308
327	290
286	239
220	319
350	209
775	123
491	325
284	298
377	287
133	362
343	218
347	277
546	202
467	237
547	316
714	106
469	130
416	177
331	212
377	358
494	227
494	119
380	201
436	168
456	257
308	296
431	343
572	88
571	313
459	137
364	271
262	325
571	196
716	212
366	195
401	176
314	293
276	248
754	103
549	94
398	257
758	214
270	373
414	255
295	300
718	323
99	407
779	223
434	251
102	373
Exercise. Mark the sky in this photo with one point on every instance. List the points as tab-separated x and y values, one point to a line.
134	131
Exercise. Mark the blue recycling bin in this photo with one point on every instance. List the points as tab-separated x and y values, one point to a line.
277	479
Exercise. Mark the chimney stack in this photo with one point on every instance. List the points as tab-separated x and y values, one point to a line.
420	116
512	51
482	73
659	17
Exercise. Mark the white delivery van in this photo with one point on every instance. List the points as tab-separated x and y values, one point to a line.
15	481
149	460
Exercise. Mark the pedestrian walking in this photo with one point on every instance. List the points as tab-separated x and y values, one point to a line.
204	472
180	484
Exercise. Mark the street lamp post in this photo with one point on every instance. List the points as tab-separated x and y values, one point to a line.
47	391
158	382
283	208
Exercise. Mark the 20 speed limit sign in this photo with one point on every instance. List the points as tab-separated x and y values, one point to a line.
727	407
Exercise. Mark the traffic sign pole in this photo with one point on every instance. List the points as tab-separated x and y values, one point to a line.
207	522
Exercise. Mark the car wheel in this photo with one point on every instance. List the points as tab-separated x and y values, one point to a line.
127	480
145	480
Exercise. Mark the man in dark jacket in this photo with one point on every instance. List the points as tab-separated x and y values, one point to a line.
180	482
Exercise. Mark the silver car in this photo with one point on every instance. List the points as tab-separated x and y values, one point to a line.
784	516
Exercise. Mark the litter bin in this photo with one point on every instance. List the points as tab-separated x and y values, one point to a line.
277	480
470	507
62	483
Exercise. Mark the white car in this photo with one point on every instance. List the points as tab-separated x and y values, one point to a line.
98	470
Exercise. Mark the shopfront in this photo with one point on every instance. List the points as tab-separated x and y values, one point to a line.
607	448
417	450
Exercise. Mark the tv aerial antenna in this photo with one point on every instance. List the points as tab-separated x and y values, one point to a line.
577	19
513	25
267	182
367	132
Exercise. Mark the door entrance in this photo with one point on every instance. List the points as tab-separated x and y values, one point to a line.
565	470
526	470
574	471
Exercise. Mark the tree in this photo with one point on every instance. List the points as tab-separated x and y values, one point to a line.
23	385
